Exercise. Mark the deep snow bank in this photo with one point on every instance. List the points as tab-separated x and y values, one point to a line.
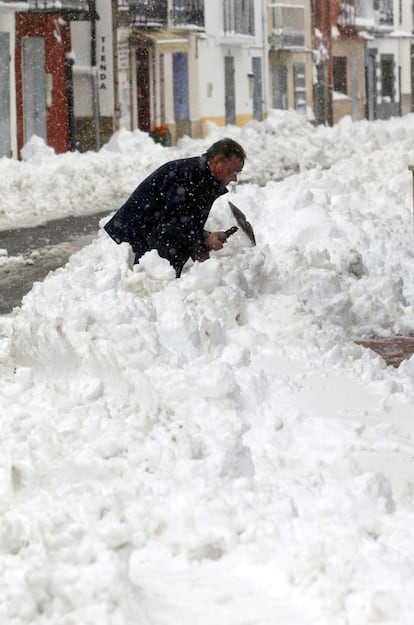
216	448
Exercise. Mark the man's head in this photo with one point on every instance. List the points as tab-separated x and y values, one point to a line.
226	159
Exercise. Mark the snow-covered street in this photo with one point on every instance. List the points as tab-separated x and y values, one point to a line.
215	449
28	254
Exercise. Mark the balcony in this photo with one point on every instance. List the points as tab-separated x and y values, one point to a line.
288	26
149	12
73	10
156	13
184	17
286	38
346	15
55	6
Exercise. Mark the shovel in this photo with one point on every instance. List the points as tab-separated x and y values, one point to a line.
242	222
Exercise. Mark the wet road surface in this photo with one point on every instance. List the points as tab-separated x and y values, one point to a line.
40	249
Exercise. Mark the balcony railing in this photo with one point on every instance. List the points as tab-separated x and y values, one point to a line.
288	26
58	6
154	12
181	16
285	38
346	14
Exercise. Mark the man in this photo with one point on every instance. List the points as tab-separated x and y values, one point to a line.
168	210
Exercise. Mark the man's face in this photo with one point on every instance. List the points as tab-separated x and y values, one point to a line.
226	170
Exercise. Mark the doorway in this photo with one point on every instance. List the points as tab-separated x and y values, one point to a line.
257	88
34	88
181	95
229	90
280	87
143	88
371	86
5	140
354	89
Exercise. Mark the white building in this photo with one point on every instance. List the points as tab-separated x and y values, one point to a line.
389	53
231	64
176	64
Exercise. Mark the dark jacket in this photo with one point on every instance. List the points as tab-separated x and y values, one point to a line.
168	210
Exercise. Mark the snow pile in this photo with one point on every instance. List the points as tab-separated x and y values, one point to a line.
217	449
47	186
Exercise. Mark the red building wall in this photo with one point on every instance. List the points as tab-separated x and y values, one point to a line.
325	17
57	43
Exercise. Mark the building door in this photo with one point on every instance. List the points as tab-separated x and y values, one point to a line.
354	89
412	76
181	95
34	88
143	89
257	88
229	90
5	143
279	87
387	67
371	87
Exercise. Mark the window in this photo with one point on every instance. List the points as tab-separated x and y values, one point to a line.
238	17
387	77
386	12
340	74
288	25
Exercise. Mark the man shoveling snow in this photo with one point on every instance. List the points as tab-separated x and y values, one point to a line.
168	210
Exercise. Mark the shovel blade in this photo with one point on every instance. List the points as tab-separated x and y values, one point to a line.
242	222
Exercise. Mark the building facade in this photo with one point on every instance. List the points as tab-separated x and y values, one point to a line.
75	71
389	56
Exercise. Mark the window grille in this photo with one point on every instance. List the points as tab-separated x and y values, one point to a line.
288	26
238	17
188	12
340	79
387	77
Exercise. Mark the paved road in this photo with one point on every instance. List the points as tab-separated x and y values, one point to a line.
43	248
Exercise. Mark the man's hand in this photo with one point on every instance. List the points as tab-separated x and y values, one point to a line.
215	240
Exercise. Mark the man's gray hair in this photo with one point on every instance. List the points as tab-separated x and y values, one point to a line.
226	148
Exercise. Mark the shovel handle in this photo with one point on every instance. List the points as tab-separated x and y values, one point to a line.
227	233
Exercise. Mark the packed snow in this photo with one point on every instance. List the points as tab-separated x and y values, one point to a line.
215	449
